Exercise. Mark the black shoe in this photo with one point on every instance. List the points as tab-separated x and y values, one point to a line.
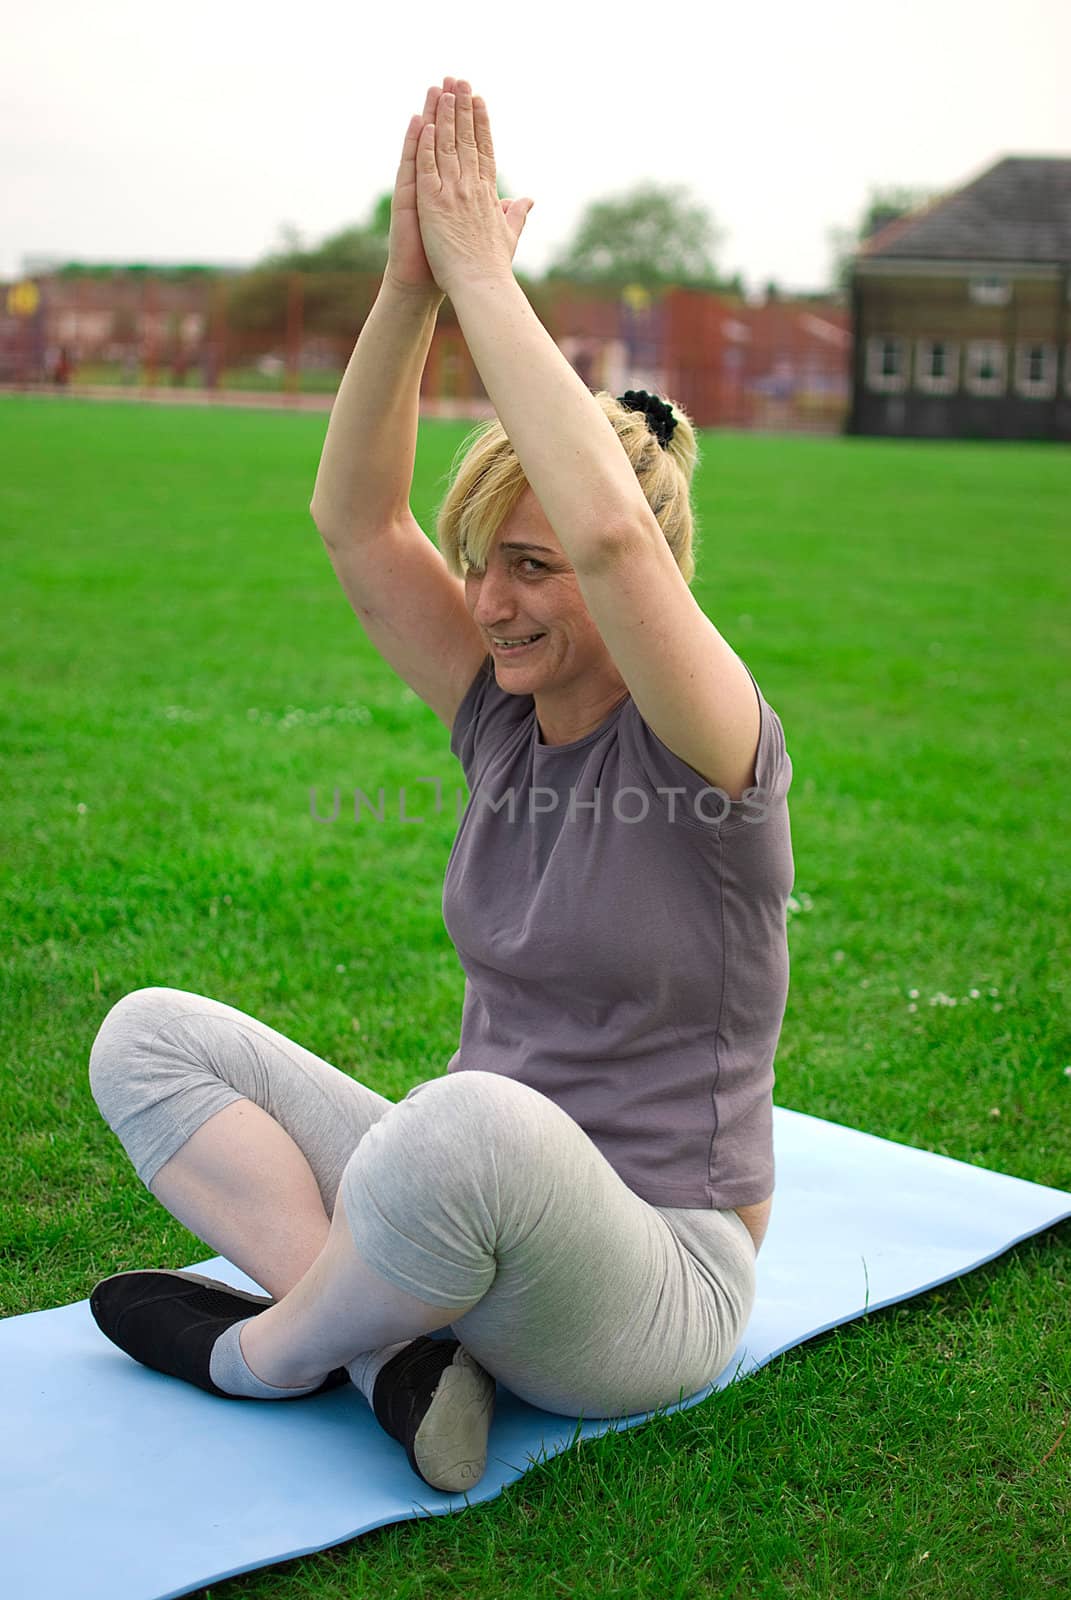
437	1401
170	1320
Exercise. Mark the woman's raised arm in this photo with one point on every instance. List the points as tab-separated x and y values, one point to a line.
366	468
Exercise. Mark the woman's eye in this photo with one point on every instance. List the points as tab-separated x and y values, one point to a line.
530	561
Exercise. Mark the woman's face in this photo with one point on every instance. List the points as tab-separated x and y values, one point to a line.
535	590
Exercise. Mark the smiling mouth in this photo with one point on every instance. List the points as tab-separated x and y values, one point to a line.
527	643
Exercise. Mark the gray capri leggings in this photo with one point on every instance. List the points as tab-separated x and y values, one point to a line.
592	1301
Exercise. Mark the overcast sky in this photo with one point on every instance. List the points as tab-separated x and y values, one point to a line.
134	131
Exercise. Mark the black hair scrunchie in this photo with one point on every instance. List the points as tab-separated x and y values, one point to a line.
660	418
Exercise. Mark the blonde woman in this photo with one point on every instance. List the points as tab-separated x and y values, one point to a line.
581	1197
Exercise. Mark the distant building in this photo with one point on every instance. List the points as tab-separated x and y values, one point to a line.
961	312
781	365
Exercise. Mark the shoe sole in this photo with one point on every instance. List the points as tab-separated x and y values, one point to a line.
195	1277
450	1446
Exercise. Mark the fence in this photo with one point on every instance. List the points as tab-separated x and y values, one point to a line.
287	336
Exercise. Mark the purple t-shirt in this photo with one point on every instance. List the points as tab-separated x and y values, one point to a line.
629	962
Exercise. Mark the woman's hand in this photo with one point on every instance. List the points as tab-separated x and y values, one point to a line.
464	227
407	263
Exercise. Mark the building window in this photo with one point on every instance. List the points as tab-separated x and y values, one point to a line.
936	366
1035	370
989	291
985	367
886	364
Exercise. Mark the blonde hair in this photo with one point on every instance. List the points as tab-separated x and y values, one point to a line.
488	481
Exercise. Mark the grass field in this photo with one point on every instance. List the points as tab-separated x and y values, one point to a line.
311	380
182	668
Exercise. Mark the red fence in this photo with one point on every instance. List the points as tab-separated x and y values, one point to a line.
783	364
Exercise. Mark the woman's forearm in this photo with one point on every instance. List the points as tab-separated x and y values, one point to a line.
571	456
366	468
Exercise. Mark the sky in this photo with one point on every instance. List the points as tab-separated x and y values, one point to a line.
158	132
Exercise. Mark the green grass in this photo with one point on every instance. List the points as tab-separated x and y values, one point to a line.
168	611
311	380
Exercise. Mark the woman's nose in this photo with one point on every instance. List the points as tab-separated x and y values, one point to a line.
493	600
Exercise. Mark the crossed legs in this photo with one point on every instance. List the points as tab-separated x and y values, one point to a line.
241	1184
474	1203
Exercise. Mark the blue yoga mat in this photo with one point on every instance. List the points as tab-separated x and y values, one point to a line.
118	1483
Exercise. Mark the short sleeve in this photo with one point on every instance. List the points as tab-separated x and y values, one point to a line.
484	717
689	800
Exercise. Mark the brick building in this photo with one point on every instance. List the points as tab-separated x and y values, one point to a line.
961	312
783	364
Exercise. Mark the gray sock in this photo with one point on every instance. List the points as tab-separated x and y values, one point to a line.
228	1370
365	1368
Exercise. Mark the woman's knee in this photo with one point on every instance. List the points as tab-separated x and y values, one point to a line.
483	1112
125	1036
441	1183
462	1130
480	1094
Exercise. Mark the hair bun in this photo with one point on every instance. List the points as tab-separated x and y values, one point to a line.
659	414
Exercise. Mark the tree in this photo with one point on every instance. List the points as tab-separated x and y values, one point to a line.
360	247
883	206
342	272
651	236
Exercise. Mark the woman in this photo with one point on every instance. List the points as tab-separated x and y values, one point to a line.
582	1196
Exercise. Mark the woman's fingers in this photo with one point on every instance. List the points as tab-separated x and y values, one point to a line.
516	215
407	165
482	130
467	153
427	167
446	137
462	133
412	136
